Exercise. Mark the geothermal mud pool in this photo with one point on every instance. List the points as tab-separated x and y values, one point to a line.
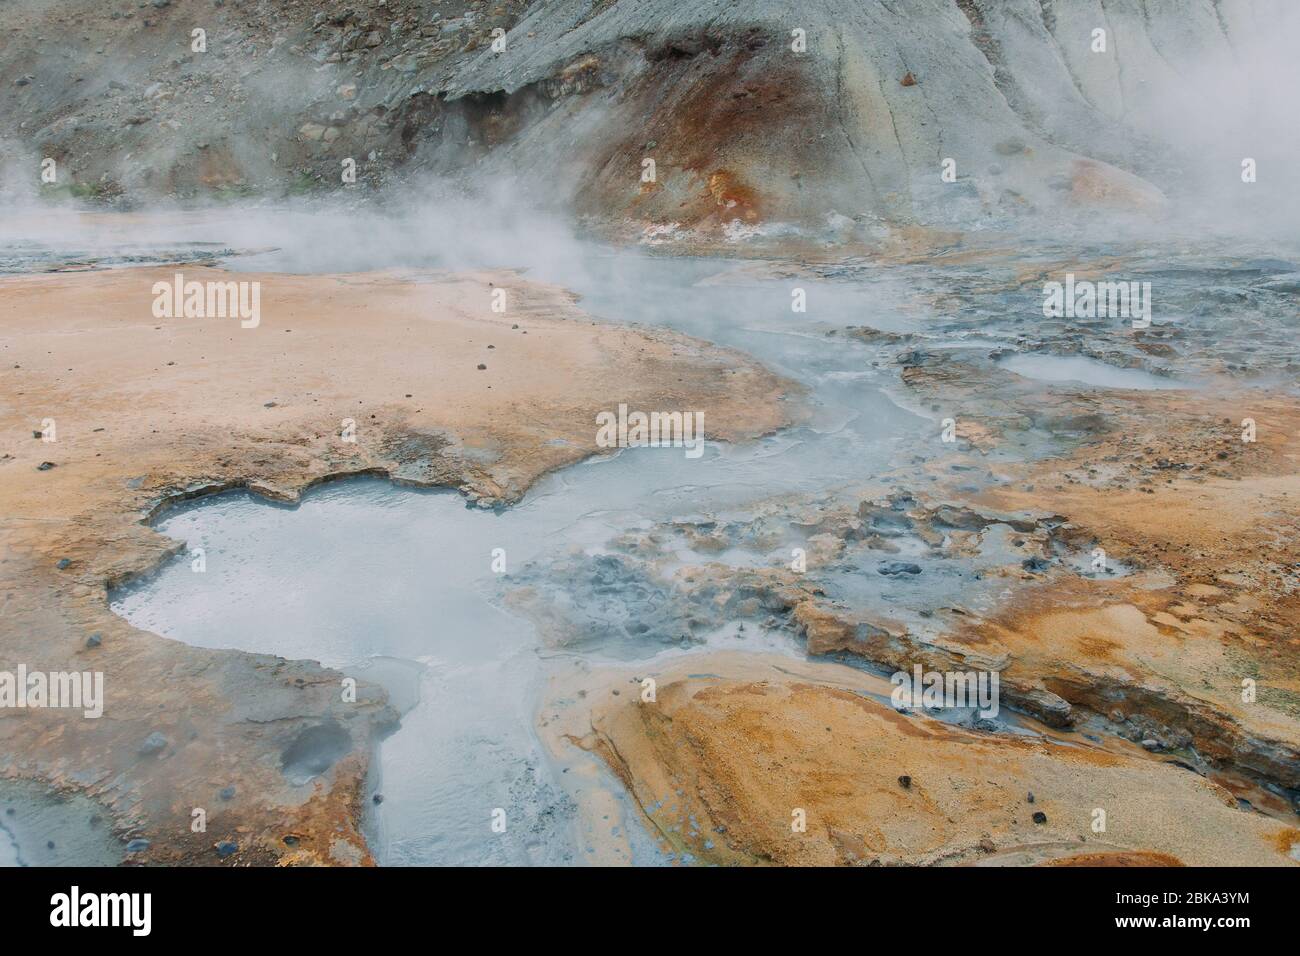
363	570
642	557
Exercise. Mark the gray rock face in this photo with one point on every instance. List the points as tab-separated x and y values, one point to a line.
834	116
767	111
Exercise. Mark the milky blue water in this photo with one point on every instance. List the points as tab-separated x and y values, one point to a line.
364	570
363	574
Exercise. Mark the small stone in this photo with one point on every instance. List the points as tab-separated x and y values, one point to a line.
227	793
1040	817
226	848
378	798
898	567
45	466
1030	798
482	367
290	840
49	844
137	845
153	744
908	79
94	640
1035	564
1151	743
64	564
905	782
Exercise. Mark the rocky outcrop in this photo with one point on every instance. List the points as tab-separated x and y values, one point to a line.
790	763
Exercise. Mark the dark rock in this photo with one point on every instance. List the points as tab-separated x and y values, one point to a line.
905	782
898	567
137	845
226	848
1040	817
94	640
153	744
45	466
63	564
227	793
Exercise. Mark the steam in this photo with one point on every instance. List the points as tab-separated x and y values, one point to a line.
1229	105
1205	115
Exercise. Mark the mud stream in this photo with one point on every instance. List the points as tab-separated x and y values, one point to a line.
399	586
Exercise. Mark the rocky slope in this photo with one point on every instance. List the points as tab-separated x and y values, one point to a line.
835	117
